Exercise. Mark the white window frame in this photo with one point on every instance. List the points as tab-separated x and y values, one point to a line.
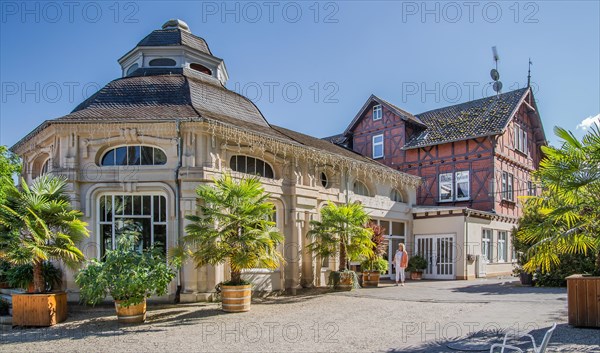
502	246
486	244
460	177
360	188
508	182
378	144
446	182
396	195
520	138
377	112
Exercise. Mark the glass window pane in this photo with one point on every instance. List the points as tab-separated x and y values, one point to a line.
160	236
160	158
163	209
103	209
250	165
128	204
156	208
260	167
109	158
121	156
233	163
397	228
147	158
133	155
119	205
106	234
137	205
269	172
146	205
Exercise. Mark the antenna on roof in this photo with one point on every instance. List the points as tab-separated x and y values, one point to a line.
497	85
529	73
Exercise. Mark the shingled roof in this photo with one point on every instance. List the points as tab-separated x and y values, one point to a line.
481	117
174	36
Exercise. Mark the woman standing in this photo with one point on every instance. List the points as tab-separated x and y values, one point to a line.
401	261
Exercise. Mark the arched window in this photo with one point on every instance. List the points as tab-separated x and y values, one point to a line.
251	165
396	196
131	69
201	68
134	155
324	180
162	62
360	188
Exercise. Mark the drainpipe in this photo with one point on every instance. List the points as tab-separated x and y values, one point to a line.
177	204
467	214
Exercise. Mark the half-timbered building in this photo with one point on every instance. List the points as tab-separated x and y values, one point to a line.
475	160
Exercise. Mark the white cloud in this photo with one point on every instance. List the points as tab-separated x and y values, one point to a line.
589	121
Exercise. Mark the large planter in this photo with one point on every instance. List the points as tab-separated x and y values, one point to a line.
133	314
583	297
370	278
235	299
45	309
416	275
526	278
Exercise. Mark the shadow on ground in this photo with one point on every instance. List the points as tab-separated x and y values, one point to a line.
587	339
507	288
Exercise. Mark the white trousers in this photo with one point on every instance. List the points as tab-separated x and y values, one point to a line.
400	275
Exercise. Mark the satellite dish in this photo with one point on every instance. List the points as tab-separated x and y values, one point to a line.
495	74
497	86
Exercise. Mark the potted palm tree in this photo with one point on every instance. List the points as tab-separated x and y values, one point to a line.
128	275
341	232
416	265
372	267
38	224
233	226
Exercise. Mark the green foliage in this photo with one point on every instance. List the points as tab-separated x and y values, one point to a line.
416	263
38	224
21	276
233	225
341	231
125	274
378	264
565	218
570	264
10	165
4	268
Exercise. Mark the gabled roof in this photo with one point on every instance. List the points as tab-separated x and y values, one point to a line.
374	99
481	117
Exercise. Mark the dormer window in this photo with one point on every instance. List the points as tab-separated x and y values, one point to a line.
131	69
377	112
162	62
201	68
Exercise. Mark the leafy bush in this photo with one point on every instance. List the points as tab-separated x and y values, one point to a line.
379	264
416	263
4	269
22	276
570	264
126	274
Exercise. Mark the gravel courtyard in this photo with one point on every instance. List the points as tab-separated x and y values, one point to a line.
423	317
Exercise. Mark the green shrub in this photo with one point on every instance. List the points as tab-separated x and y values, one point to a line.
126	274
416	263
4	269
379	264
570	264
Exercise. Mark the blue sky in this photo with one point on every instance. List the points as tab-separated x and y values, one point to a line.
310	66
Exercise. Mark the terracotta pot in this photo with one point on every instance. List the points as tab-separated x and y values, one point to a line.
370	278
345	282
416	275
133	314
235	299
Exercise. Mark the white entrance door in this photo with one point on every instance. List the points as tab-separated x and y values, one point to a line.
439	251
